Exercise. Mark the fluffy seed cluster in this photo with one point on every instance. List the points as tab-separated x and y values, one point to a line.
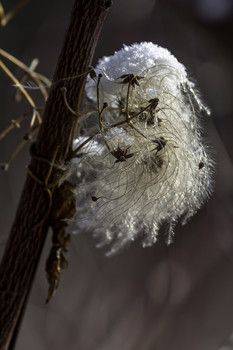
140	162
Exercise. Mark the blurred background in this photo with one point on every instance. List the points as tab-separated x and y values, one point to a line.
160	298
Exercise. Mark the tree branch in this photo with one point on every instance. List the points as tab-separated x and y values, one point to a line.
27	237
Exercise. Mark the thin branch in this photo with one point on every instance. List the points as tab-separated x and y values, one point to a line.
5	18
15	80
36	76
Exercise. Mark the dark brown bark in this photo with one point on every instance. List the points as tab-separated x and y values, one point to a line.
25	241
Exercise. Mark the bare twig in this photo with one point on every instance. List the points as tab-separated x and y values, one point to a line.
5	18
41	81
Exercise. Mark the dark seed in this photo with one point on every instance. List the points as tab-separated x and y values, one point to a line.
201	165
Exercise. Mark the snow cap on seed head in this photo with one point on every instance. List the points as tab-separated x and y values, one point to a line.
146	165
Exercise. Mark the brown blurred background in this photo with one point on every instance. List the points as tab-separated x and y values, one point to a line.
160	298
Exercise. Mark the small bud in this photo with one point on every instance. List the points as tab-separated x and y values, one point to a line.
15	123
93	74
4	166
63	90
201	165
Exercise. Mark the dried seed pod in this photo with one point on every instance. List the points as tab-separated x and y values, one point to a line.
167	175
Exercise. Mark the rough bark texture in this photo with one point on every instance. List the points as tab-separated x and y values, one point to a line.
25	243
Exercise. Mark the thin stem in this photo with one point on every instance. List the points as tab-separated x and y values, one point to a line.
127	104
27	137
15	80
75	151
14	123
13	155
100	110
64	92
77	115
36	76
6	18
132	117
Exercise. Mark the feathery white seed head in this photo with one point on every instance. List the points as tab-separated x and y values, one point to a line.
146	164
